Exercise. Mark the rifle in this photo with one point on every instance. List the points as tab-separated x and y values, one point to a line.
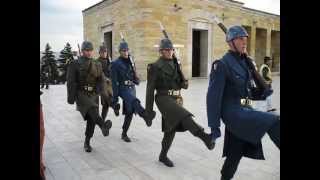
133	65
263	89
79	51
184	81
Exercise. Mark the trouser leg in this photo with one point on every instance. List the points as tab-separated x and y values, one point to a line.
126	123
93	114
105	109
137	107
90	127
274	133
195	129
166	143
230	166
189	124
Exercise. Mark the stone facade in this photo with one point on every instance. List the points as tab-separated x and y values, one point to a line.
138	21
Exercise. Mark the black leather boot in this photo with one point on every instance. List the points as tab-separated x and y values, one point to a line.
165	160
206	138
116	109
125	137
148	117
165	146
105	127
87	146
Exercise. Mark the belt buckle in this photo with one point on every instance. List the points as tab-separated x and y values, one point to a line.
242	101
246	102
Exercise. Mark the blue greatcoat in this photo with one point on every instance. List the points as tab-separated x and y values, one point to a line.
122	71
229	82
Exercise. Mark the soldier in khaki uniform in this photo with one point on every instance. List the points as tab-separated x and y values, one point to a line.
106	68
84	77
163	77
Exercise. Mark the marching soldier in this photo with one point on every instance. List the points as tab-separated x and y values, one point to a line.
105	62
265	72
83	77
123	85
163	76
44	76
229	97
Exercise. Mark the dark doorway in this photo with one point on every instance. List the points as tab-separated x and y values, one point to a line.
199	53
195	53
108	42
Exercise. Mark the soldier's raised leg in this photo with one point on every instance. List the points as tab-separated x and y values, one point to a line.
104	112
147	116
198	131
166	144
93	113
125	127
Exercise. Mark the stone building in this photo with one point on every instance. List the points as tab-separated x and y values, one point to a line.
189	23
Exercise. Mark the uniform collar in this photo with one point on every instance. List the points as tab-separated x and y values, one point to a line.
234	62
124	59
237	55
85	58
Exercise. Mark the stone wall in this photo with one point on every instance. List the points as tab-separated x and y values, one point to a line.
138	20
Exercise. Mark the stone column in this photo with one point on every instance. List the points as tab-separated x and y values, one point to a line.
253	41
268	46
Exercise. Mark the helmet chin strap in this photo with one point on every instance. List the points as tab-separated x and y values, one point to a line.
235	48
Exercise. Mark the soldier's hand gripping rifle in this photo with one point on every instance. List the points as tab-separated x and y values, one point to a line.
133	65
184	81
263	89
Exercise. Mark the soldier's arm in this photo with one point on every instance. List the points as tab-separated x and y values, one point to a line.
115	83
214	97
72	83
151	79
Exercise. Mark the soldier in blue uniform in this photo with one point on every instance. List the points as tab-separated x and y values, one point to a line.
123	84
229	97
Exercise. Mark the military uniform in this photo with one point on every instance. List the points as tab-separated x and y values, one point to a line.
44	76
84	77
265	72
123	85
106	68
163	77
228	97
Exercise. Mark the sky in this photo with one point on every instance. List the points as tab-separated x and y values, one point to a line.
61	20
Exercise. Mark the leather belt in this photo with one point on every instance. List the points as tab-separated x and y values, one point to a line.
170	92
88	88
128	83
